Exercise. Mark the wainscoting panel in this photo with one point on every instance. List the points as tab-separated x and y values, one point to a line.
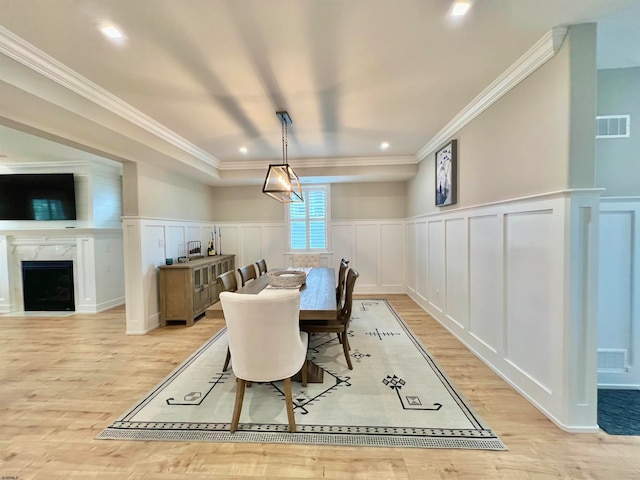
486	281
436	254
392	244
176	241
515	287
457	272
251	244
422	252
528	270
342	242
619	294
229	241
367	253
153	255
273	244
412	240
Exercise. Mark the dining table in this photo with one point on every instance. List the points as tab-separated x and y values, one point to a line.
317	302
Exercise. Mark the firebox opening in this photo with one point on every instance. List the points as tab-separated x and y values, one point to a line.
48	286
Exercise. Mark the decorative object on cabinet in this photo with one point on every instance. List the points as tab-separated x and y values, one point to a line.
194	249
187	289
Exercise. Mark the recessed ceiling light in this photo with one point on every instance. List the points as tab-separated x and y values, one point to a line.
112	32
460	8
244	150
384	145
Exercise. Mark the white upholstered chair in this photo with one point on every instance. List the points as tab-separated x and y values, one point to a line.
306	260
265	341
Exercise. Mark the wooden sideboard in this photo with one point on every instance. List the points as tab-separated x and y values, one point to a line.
187	289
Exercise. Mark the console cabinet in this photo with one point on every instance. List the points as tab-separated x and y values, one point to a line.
187	289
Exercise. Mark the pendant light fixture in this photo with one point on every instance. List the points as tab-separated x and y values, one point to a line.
281	182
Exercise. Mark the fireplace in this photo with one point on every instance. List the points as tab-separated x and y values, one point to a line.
48	286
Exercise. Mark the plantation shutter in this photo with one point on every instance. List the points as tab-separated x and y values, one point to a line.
308	221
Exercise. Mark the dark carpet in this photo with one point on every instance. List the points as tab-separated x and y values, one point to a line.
619	411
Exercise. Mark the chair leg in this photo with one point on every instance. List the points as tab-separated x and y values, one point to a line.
346	348
227	360
237	408
289	401
304	373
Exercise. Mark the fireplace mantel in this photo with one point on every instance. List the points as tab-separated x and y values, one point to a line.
97	262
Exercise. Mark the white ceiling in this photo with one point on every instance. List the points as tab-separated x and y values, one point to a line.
351	73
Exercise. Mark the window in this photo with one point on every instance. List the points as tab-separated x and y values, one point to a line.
308	220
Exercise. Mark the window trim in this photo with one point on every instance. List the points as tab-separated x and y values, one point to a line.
327	219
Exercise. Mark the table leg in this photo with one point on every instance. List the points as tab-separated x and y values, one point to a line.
315	374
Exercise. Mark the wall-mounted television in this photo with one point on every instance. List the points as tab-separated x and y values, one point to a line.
42	196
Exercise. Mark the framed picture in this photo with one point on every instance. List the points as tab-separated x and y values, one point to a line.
446	174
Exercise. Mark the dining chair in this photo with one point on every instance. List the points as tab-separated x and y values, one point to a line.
262	266
228	283
266	342
342	273
247	274
340	325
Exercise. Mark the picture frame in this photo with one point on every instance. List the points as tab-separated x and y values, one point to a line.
446	166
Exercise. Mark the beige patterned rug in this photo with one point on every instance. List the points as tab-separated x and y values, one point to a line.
396	395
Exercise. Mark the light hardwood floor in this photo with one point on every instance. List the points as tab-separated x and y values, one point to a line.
62	380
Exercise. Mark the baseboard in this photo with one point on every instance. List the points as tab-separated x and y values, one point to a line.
614	386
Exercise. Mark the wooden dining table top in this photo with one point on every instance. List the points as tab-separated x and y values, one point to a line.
317	295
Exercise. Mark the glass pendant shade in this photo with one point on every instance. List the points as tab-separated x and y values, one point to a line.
283	184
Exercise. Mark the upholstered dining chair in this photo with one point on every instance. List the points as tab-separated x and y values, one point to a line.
262	266
340	325
342	274
247	274
266	342
228	283
306	260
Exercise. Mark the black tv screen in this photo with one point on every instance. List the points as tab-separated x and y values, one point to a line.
43	196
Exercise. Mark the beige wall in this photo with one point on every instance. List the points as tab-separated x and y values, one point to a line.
158	193
533	140
362	201
245	204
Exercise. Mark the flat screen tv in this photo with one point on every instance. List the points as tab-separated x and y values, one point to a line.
42	196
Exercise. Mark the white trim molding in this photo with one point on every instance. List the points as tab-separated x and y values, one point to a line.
35	59
543	50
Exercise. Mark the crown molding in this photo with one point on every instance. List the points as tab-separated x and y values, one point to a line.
35	59
543	50
321	162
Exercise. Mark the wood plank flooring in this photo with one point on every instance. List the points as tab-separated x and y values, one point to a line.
63	379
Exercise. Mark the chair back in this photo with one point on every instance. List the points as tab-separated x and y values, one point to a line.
262	266
345	314
342	273
247	273
264	334
227	281
306	260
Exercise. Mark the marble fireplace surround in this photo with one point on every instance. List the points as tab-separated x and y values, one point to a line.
76	245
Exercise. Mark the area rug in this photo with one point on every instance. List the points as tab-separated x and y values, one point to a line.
396	395
619	411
